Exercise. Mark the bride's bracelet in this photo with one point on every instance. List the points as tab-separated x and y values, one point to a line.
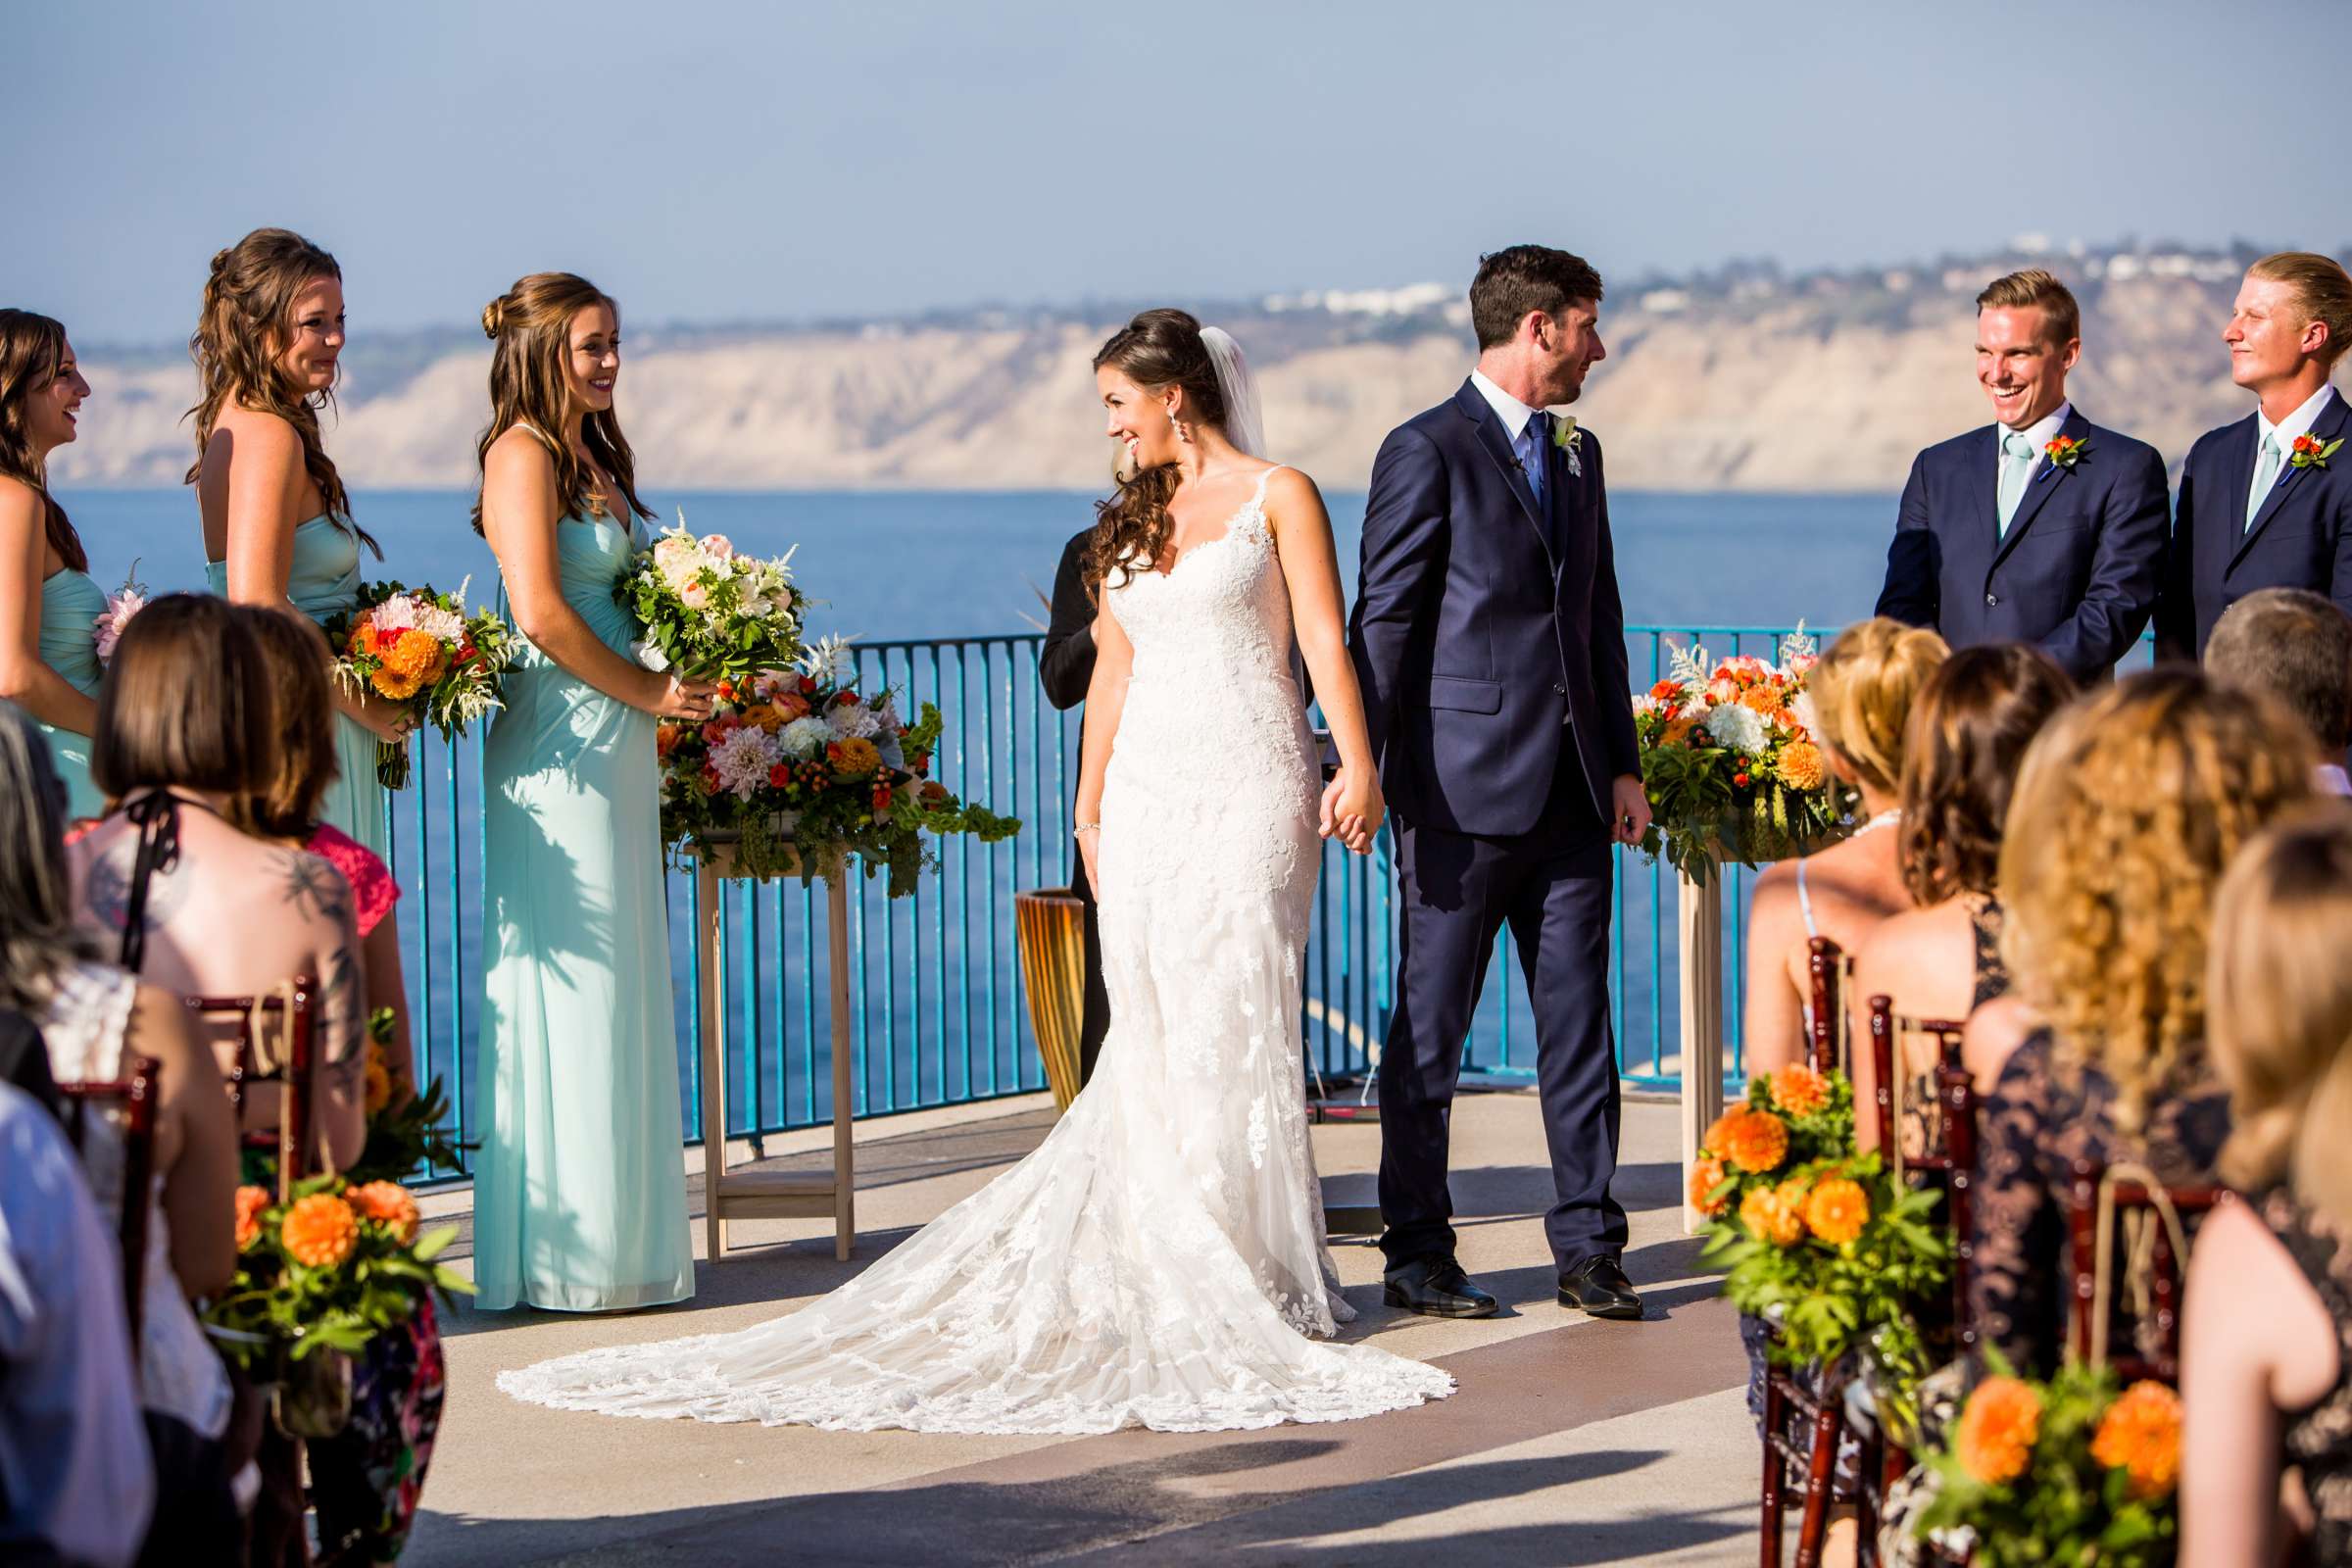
1084	828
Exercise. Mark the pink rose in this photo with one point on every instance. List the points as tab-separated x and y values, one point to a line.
694	595
716	547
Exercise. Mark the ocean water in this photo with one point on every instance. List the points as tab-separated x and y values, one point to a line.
966	564
938	1012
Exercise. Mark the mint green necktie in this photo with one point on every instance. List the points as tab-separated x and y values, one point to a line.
2265	470
2017	461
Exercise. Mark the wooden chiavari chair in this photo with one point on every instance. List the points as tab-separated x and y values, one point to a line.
131	1101
275	1033
2153	1217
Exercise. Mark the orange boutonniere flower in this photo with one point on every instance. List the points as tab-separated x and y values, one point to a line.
2064	451
2310	451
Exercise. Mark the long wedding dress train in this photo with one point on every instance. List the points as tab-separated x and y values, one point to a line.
1159	1259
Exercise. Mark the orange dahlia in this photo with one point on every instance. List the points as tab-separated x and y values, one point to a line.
413	655
2141	1436
1801	1089
251	1201
361	641
1999	1429
1802	767
1749	1140
389	1204
1705	1176
320	1231
1837	1211
1769	1214
387	683
1765	699
855	759
666	738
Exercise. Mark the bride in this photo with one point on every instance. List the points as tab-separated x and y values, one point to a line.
1160	1260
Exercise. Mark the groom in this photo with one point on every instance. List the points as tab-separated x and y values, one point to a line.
1490	643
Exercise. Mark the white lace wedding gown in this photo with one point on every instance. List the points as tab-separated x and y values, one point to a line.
1160	1260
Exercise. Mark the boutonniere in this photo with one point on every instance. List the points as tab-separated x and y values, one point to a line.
2312	453
1566	436
2064	452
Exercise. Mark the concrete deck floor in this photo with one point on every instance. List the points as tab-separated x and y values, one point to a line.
1570	1441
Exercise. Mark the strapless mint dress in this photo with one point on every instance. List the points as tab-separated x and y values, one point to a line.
579	1197
324	582
71	605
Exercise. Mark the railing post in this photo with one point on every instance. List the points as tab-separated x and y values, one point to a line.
1701	926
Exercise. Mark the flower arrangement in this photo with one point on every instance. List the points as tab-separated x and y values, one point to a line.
795	765
328	1269
423	650
2068	1471
1820	1242
106	629
710	613
1731	765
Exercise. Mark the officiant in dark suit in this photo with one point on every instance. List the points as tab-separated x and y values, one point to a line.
1064	667
2041	527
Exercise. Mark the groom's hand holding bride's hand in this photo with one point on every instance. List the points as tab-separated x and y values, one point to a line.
1629	809
1352	809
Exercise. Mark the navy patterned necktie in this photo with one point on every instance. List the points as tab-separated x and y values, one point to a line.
1534	439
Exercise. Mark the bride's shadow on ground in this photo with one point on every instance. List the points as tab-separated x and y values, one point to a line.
1124	1508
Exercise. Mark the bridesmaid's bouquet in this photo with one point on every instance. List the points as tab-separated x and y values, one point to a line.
423	650
710	613
793	763
1731	765
106	630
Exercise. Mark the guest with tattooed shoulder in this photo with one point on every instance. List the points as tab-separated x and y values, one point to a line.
175	892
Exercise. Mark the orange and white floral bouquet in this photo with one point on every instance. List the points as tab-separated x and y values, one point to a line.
1731	761
423	650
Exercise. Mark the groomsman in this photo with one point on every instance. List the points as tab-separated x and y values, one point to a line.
2263	503
2042	528
1065	668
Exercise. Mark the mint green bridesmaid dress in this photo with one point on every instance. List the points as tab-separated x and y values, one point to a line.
71	605
322	583
579	1195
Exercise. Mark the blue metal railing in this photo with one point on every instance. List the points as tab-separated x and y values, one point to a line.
939	1015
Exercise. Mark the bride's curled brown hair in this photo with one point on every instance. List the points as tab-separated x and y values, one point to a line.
1158	350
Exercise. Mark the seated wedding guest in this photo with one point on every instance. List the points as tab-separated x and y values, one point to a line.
76	1485
285	808
2297	646
92	1016
184	728
2267	1333
366	1481
1969	731
1064	666
2125	814
1861	692
25	1060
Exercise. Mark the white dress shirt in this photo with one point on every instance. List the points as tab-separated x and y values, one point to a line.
1513	412
2284	432
2041	432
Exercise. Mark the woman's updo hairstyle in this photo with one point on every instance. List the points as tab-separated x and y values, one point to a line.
1158	350
1862	692
529	386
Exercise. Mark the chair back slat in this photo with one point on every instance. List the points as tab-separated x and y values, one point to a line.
2167	1271
131	1100
287	1013
1825	1035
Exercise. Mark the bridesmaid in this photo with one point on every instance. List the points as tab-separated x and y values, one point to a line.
278	526
49	607
579	1192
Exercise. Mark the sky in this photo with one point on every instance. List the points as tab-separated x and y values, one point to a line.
720	161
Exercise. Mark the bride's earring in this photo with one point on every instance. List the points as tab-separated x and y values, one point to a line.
1174	423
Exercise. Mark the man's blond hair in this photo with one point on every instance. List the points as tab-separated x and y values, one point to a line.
2036	290
2323	293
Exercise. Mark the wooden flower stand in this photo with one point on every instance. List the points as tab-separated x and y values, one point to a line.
1699	920
762	1194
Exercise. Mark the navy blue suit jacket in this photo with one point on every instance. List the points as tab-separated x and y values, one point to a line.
1488	639
2301	538
2078	571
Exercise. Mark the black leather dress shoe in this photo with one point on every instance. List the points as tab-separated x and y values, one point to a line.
1599	1287
1435	1287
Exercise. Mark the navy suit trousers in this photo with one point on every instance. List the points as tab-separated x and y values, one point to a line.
1551	887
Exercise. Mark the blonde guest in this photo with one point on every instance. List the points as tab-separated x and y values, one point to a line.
2127	809
2267	1342
1862	692
278	526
